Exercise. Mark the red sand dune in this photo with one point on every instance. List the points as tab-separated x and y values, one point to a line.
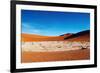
80	36
55	56
32	37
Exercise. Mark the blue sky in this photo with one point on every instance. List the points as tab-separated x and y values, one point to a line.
51	23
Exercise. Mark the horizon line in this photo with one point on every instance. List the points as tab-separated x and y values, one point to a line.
53	35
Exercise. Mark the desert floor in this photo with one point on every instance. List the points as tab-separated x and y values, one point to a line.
55	56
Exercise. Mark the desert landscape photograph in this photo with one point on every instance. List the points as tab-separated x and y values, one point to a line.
50	36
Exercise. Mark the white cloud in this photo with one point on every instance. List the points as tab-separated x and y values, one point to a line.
36	30
25	25
26	28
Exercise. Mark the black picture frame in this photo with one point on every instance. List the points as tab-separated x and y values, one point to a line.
13	36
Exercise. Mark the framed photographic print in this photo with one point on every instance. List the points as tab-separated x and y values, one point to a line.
52	36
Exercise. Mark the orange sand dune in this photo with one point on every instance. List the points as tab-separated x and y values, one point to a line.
80	36
32	37
28	57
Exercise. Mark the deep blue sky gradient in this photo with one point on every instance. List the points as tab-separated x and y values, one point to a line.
50	23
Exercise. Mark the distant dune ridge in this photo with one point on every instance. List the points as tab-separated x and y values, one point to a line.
80	36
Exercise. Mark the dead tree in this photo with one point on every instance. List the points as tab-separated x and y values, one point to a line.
82	47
